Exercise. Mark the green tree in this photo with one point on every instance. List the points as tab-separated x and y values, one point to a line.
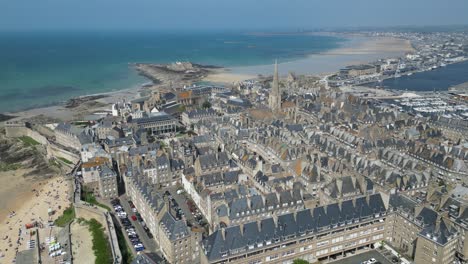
300	261
206	104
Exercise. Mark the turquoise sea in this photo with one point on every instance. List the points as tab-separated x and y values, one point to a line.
43	68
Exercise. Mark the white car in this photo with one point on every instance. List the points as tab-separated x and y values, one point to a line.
372	261
138	245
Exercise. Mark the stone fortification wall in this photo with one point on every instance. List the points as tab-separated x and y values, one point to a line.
55	151
21	130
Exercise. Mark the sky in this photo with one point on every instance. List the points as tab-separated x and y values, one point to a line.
226	14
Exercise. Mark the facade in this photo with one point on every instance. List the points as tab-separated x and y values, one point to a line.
107	183
178	242
312	234
194	116
436	244
158	124
67	136
160	172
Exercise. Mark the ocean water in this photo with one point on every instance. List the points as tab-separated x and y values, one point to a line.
439	79
43	68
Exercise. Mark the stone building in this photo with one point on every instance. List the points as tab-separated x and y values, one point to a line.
107	183
313	234
436	243
157	124
178	242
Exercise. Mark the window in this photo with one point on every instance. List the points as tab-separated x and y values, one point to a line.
322	252
377	237
336	248
338	239
323	243
364	240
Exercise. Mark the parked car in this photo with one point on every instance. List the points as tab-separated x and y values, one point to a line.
138	249
134	218
115	202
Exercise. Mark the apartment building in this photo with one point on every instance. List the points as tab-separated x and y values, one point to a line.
107	183
177	241
436	243
313	234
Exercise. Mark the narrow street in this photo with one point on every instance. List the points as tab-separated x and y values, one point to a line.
149	243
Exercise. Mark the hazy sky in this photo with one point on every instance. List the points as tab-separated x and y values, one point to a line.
226	14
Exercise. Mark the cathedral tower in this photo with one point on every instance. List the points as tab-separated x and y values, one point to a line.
274	100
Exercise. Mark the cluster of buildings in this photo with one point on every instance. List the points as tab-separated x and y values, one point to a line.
431	51
273	174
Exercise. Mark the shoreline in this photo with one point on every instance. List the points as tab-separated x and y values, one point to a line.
61	112
357	49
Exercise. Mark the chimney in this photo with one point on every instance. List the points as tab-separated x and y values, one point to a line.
385	199
223	233
437	223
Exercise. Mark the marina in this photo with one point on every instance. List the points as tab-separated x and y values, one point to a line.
439	79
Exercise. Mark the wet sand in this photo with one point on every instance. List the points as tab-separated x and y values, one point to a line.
357	50
227	77
62	113
29	206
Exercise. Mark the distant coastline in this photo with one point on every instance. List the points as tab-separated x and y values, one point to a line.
45	69
357	49
353	50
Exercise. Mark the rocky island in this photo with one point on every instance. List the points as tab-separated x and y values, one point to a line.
175	72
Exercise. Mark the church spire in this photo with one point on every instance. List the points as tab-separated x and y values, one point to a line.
275	94
275	78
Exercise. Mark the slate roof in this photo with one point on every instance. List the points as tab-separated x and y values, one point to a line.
223	242
439	232
427	216
156	118
174	229
214	160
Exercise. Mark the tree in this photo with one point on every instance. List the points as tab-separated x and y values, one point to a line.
300	261
206	104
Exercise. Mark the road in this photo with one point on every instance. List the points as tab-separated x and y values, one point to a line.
181	200
358	259
149	243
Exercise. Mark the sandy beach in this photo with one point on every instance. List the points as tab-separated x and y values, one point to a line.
356	50
30	201
226	77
